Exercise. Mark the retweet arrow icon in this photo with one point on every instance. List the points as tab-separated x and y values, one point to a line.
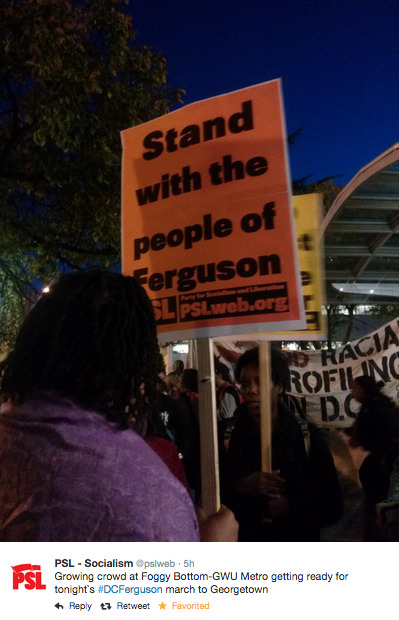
105	606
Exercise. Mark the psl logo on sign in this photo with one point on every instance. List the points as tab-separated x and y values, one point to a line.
28	574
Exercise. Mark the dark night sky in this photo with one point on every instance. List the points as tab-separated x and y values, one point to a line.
338	60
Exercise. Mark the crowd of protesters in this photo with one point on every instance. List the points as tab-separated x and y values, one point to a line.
97	445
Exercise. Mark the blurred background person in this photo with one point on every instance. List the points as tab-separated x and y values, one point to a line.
173	379
227	400
227	394
184	424
376	430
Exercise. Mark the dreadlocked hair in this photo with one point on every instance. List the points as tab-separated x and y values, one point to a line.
91	339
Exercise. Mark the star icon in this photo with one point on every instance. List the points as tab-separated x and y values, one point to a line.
162	605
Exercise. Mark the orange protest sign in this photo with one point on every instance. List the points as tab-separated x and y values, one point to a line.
207	225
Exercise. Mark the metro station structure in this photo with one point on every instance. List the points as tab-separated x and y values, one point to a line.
361	236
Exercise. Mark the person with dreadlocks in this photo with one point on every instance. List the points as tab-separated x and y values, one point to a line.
71	469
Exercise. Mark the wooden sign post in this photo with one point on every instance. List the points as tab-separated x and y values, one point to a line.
265	406
208	429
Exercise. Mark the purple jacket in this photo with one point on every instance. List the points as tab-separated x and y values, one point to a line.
66	474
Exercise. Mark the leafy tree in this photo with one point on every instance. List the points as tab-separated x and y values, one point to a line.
71	78
326	186
16	294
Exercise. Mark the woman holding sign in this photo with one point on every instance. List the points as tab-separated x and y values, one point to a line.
302	493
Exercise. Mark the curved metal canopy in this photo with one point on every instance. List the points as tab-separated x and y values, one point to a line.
361	236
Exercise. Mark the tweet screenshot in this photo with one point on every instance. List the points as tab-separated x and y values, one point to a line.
202	580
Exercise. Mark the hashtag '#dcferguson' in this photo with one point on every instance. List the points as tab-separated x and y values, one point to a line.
101	589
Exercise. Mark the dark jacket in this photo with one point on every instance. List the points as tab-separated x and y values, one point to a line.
377	430
311	481
184	424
